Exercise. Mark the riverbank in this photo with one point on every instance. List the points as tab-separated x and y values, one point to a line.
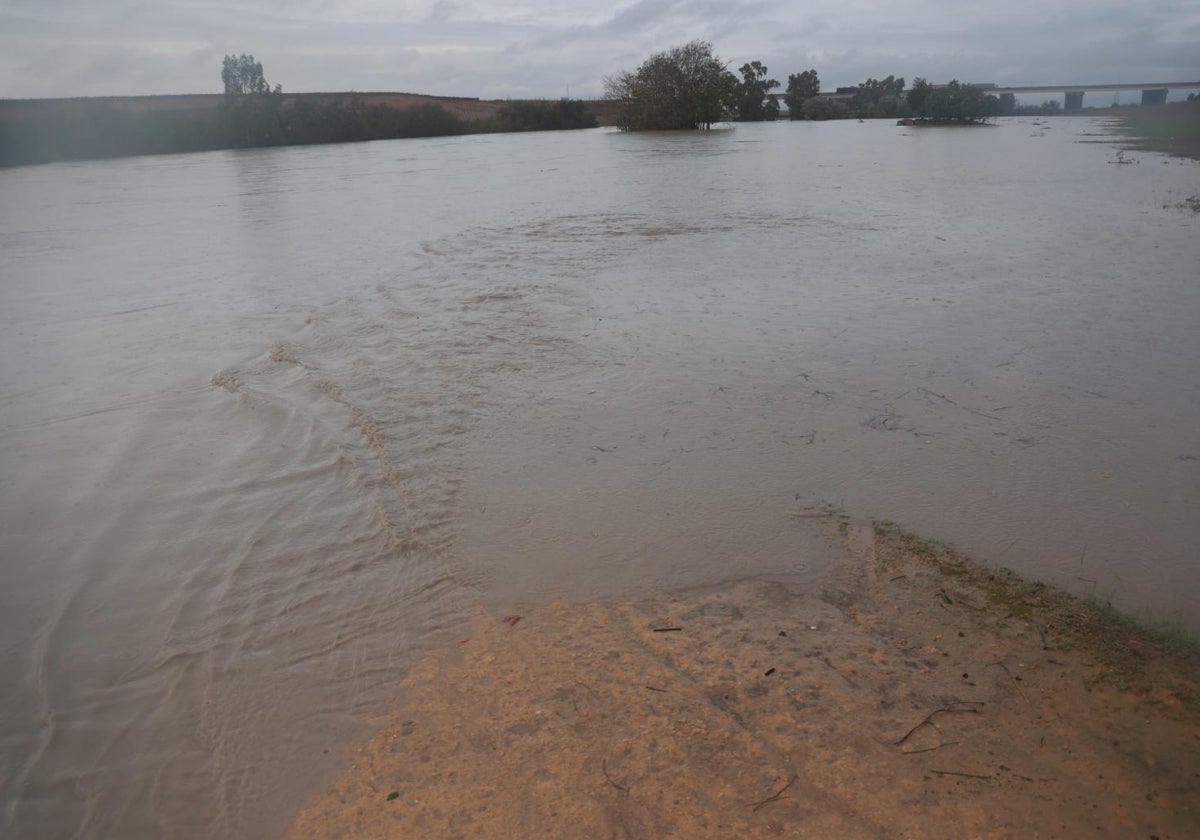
913	695
36	131
1173	129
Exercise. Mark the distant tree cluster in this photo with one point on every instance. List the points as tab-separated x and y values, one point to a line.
1048	108
752	100
953	102
688	87
540	115
801	87
879	98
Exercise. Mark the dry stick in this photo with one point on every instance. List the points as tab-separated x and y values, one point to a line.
791	782
1016	685
666	629
965	775
929	717
604	767
929	749
652	688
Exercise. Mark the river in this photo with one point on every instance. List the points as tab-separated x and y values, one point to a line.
273	421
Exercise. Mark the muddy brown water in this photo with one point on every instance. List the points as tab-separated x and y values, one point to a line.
272	422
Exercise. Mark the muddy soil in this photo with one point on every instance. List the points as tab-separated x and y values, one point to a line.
894	700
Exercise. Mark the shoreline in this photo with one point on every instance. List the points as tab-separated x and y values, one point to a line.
912	694
1172	129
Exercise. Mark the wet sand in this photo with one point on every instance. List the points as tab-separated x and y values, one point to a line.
908	696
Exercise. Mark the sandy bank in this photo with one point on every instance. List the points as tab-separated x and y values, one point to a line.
909	697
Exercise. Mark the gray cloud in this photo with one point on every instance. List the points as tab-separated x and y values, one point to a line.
546	47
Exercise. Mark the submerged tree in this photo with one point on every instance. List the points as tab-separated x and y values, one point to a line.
919	95
953	102
754	103
800	88
879	98
822	108
682	88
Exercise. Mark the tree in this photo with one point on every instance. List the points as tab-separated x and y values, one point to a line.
822	108
956	102
879	98
243	75
800	88
919	96
541	115
683	88
873	90
251	112
753	104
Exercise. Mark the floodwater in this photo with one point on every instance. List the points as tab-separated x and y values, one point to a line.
271	422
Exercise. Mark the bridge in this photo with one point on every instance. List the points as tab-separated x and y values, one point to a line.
1153	93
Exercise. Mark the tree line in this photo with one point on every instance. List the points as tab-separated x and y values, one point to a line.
689	87
252	113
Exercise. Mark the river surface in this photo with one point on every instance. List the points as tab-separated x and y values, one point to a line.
272	422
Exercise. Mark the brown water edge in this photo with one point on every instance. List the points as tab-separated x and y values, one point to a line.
911	695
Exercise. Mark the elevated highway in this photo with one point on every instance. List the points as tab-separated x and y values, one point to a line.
1153	93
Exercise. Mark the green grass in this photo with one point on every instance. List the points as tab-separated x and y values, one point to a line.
1131	655
1173	129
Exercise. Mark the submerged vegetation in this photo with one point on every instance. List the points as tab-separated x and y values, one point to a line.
684	87
952	103
689	87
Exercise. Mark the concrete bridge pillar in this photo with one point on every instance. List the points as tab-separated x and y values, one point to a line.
1074	100
1154	96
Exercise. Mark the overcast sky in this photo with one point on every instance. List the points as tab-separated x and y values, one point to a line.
515	48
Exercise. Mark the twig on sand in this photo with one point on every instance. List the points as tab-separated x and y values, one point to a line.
952	708
929	749
1016	684
964	775
666	629
783	789
604	767
661	690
